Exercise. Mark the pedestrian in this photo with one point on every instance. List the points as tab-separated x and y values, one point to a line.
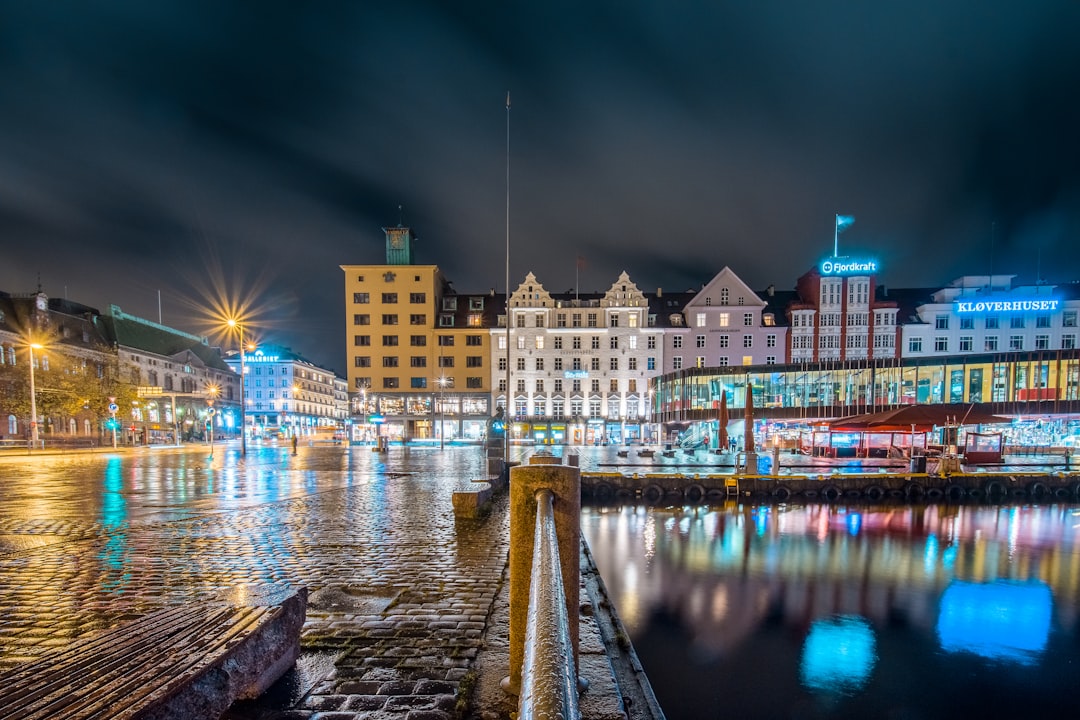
293	444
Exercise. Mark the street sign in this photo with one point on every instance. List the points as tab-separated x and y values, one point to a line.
113	407
211	411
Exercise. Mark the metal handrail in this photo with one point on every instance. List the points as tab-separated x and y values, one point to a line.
548	676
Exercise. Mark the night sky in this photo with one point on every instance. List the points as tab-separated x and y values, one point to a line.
224	152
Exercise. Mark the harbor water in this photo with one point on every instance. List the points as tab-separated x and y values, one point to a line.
927	611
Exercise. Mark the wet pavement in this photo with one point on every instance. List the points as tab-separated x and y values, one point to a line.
400	592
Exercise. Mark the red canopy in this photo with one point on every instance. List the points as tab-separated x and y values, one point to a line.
922	417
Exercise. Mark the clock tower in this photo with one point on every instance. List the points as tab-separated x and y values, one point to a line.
399	245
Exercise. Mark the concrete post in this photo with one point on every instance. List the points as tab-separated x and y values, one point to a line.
542	472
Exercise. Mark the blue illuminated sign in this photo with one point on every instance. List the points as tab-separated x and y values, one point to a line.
844	266
994	306
576	374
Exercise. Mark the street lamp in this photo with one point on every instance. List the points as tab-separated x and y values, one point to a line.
33	397
234	323
442	411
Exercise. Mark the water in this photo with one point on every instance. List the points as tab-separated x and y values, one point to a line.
826	611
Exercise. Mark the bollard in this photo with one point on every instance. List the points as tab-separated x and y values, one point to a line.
542	472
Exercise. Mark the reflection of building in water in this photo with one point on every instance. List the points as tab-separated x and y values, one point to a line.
723	571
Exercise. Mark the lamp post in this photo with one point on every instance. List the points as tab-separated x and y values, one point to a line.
442	412
234	323
33	398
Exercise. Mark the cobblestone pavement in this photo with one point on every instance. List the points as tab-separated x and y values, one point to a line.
400	592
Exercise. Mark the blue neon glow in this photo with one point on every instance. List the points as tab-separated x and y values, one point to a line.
839	655
1004	621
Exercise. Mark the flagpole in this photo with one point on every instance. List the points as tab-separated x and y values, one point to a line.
836	235
506	410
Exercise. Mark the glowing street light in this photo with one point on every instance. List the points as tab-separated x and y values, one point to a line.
33	396
212	393
235	324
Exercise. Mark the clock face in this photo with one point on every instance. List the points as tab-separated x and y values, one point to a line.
397	241
41	303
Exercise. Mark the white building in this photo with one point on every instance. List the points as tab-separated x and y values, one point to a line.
988	314
580	364
286	395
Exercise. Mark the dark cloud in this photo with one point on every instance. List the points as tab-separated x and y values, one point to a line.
221	148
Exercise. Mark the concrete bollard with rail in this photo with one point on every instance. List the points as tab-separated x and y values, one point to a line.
543	472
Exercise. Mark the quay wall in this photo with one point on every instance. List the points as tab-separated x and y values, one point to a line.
691	488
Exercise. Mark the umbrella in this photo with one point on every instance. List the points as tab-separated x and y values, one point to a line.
722	441
749	421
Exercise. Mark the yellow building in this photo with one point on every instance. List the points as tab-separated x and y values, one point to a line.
418	353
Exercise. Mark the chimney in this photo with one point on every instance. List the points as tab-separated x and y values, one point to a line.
659	292
771	290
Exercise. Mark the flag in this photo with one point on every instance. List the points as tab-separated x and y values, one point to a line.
842	221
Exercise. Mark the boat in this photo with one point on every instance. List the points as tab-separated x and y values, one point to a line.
622	453
646	453
668	453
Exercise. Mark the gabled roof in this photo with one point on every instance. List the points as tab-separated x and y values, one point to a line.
709	296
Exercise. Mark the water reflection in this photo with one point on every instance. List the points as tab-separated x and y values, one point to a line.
829	611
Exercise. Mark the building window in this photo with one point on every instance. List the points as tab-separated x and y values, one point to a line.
560	320
725	319
676	342
446	341
992	323
650	342
389	361
941	322
1068	342
361	340
389	298
417	319
613	320
446	362
449	303
417	298
614	343
417	361
748	319
594	363
941	344
361	298
967	323
362	361
558	343
558	386
1042	321
915	345
521	386
614	363
539	342
724	340
418	340
990	344
595	342
747	341
575	342
592	320
700	341
575	320
699	320
1016	342
502	363
722	361
359	319
389	340
632	363
473	383
521	364
966	343
650	363
558	364
1068	318
770	359
474	340
1042	342
389	319
725	296
418	383
1016	322
446	320
676	362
